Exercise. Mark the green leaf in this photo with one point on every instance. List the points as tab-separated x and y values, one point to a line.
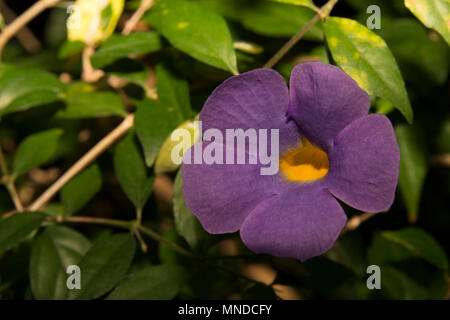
399	285
433	14
83	102
154	122
24	88
414	49
53	251
35	150
280	20
413	166
104	265
121	46
186	224
304	3
366	58
161	282
16	228
173	92
70	48
197	31
81	189
131	171
391	246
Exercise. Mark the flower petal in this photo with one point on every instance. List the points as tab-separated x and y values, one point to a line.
323	100
256	99
300	223
222	195
364	164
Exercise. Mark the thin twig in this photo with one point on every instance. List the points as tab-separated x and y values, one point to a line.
136	17
322	14
11	30
441	160
26	38
82	163
132	225
356	221
152	234
9	182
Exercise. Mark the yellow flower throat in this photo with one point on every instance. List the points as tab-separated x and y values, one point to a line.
304	164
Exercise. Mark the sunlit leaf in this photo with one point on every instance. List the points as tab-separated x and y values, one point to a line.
23	88
366	58
83	102
199	32
433	14
121	46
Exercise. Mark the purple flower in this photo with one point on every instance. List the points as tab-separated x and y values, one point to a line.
330	148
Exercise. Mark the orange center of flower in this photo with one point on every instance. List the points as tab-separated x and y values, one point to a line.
306	163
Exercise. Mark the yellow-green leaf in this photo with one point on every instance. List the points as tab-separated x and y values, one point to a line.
366	58
434	14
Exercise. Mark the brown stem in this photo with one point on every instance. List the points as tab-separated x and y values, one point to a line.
82	163
26	38
9	182
136	17
322	14
441	160
12	29
356	221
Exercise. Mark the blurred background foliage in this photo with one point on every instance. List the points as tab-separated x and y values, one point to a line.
178	53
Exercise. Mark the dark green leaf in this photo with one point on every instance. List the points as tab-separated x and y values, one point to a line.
389	246
186	224
415	49
197	31
53	251
16	228
121	46
413	166
154	122
83	102
304	3
131	171
433	14
173	92
23	88
70	48
366	58
36	150
279	19
161	282
104	265
81	189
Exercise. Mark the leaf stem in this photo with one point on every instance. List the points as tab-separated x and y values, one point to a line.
9	183
322	13
84	161
136	228
152	234
11	30
136	17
